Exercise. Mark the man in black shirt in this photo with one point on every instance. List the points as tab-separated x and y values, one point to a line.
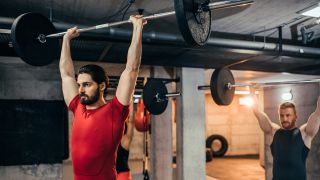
290	144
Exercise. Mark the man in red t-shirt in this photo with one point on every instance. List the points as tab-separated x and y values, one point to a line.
97	127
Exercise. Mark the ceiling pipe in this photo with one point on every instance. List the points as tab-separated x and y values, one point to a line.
173	39
118	34
158	38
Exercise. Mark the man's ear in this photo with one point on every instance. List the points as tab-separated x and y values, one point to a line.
102	86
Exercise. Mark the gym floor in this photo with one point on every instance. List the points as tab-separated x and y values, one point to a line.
225	168
236	168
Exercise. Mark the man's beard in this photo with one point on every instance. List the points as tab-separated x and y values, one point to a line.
288	126
89	100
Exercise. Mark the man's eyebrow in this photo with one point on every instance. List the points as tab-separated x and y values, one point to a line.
86	82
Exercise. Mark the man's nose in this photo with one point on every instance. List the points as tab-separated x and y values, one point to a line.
81	89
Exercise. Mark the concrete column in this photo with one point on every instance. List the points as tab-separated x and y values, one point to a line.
190	125
161	135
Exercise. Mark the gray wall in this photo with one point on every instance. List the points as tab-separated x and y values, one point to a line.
305	98
21	81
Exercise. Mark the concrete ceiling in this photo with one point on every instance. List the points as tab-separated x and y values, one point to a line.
248	34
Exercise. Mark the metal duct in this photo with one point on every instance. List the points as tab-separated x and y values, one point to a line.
118	34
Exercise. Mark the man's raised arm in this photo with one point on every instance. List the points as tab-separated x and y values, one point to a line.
129	76
264	121
313	123
69	84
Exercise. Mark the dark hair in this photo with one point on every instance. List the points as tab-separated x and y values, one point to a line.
288	105
97	74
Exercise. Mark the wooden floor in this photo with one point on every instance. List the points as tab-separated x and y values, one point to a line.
235	168
227	168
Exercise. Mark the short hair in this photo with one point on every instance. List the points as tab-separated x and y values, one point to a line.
286	105
97	74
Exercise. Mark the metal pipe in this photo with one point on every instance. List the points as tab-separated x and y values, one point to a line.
262	46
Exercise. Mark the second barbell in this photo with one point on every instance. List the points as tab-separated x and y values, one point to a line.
222	85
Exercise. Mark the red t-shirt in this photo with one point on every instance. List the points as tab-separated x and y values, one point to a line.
95	137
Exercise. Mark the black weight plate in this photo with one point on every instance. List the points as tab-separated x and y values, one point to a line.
194	26
24	32
150	90
221	94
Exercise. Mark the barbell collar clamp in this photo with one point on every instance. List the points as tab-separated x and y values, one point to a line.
42	38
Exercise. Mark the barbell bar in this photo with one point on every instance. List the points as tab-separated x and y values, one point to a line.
34	37
202	8
222	85
107	25
229	85
159	96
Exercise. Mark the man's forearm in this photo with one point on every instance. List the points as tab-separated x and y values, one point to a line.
66	64
135	50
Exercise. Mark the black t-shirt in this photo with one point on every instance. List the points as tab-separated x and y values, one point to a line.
289	155
122	160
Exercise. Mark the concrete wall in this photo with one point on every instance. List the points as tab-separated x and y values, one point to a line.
305	97
21	81
236	123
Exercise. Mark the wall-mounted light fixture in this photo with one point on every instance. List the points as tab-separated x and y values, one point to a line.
246	101
312	11
287	96
244	92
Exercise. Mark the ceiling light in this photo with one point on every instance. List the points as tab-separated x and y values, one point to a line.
313	11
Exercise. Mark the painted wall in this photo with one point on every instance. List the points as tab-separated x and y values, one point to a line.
236	123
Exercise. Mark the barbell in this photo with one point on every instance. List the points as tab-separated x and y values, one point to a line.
222	85
155	96
35	39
